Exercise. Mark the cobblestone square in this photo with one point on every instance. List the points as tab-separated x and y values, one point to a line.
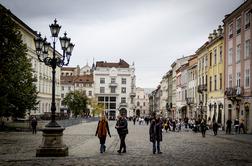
179	148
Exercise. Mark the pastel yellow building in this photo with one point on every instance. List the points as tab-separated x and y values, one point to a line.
215	85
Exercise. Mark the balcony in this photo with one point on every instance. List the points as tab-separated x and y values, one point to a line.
113	84
189	100
202	88
123	105
234	93
132	94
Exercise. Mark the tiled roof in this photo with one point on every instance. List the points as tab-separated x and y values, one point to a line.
84	79
121	64
76	79
68	68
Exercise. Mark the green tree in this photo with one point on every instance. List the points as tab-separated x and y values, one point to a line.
17	89
76	101
97	108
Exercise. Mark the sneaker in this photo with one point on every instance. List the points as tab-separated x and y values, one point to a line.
119	151
154	152
160	152
124	151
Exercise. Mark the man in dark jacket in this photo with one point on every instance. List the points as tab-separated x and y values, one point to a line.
122	129
229	123
34	125
155	132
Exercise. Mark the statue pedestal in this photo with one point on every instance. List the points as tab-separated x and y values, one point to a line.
52	143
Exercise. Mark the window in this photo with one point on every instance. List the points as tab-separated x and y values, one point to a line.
238	53
113	89
123	80
138	103
102	89
62	96
69	88
123	100
215	82
230	80
238	25
215	56
230	30
113	80
247	48
247	20
62	87
123	90
102	80
210	59
247	77
220	54
89	93
202	63
230	56
238	79
143	103
220	80
210	89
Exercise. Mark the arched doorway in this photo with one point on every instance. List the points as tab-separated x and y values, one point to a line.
123	111
138	112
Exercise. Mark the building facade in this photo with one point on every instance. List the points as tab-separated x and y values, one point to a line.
202	77
237	39
114	86
192	87
141	103
215	102
42	72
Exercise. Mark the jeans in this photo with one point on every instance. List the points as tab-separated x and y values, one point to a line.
122	144
102	148
154	146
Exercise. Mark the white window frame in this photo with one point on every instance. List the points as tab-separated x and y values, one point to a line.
247	49
230	80
238	24
246	19
247	78
230	56
102	80
238	79
102	89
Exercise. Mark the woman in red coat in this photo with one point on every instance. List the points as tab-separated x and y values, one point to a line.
101	131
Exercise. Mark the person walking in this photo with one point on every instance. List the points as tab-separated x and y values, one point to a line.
203	128
122	129
228	129
241	126
155	132
101	132
34	124
215	127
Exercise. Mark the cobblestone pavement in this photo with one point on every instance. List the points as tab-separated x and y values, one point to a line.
179	148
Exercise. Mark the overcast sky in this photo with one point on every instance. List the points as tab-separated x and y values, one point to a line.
150	33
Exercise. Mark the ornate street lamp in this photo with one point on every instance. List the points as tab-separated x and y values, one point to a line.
52	143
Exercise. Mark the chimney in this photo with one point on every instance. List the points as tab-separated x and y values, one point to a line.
210	37
220	30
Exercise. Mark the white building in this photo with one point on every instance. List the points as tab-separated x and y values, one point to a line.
42	72
74	78
114	85
164	95
141	102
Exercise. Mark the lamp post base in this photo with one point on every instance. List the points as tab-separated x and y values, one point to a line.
52	143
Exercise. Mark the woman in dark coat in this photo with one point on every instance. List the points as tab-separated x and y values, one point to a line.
155	132
101	131
203	127
122	129
215	127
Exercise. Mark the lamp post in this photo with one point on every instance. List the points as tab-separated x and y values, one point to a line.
52	143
